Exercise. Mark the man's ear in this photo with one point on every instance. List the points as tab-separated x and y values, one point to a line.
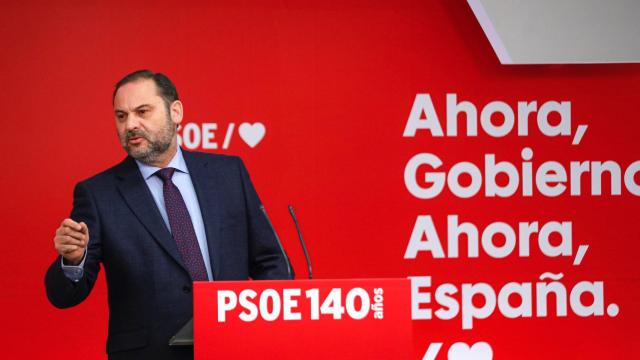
176	112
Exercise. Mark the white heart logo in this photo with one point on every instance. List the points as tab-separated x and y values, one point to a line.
462	351
252	134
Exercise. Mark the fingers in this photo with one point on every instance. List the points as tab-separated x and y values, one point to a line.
69	240
64	249
73	229
69	223
69	234
65	231
83	228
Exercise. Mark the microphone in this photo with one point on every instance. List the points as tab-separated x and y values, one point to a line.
284	254
304	246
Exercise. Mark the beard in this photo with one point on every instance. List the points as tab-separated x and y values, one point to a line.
158	143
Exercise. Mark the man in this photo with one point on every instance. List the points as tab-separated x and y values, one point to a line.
158	221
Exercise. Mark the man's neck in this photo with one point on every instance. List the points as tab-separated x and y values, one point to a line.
165	158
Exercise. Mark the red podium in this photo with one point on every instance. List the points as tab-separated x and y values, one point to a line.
303	319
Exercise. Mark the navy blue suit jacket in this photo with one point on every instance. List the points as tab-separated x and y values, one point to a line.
149	288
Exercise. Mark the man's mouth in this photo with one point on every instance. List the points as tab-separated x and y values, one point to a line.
135	140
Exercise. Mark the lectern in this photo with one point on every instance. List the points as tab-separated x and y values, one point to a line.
303	319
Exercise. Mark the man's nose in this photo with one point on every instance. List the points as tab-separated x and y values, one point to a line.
132	123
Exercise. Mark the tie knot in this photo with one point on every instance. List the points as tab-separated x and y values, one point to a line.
165	174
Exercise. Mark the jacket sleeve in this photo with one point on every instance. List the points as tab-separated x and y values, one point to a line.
267	258
62	291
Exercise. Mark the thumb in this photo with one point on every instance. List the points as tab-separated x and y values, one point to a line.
83	228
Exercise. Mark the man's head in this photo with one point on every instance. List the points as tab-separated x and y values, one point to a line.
147	113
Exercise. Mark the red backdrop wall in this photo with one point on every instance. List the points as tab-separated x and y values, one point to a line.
333	84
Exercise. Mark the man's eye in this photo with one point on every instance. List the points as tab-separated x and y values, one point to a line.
142	112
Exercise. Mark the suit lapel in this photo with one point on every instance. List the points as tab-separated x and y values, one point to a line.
136	194
205	184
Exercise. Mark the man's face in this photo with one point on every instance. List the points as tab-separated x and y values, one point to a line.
146	128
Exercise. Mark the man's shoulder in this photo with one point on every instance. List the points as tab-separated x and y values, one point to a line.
107	176
211	159
128	167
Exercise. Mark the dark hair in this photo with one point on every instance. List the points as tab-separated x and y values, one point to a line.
166	89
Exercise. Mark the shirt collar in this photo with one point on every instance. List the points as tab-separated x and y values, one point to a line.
177	162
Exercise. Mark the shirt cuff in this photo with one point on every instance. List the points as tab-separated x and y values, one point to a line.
74	272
